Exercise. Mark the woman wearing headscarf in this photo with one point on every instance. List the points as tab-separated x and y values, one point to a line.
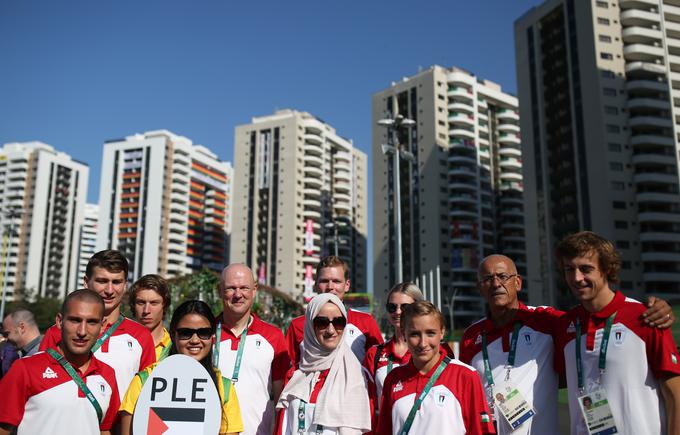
327	394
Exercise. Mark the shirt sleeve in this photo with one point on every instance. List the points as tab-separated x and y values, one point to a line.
148	350
466	348
15	387
281	362
131	396
293	343
368	363
51	339
384	425
373	335
662	353
111	417
476	415
231	413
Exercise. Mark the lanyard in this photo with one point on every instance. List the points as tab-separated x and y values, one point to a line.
390	363
105	336
412	415
239	353
603	349
301	419
511	355
164	353
78	380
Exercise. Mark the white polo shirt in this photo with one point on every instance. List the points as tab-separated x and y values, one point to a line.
533	373
637	356
455	405
265	359
38	396
129	350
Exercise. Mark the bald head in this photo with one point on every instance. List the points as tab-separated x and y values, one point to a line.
234	270
494	259
237	290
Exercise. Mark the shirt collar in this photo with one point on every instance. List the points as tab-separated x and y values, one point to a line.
611	307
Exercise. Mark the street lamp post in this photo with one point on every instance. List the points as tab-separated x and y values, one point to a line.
11	214
393	146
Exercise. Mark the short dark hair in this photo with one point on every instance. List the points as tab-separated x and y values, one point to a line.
109	259
585	242
83	295
150	282
332	261
418	309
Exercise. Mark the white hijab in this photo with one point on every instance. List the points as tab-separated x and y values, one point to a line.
343	400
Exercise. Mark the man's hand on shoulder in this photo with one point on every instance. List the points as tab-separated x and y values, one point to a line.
659	313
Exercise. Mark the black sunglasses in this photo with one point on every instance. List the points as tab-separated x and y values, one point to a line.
392	308
321	322
187	333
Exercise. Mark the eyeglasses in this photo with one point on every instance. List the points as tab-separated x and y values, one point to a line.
321	322
392	308
502	277
187	333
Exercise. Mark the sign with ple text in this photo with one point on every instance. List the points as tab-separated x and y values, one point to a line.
179	397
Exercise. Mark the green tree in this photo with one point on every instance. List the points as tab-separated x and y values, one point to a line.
44	308
201	285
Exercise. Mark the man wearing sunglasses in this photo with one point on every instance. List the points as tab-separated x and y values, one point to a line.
513	350
332	276
251	352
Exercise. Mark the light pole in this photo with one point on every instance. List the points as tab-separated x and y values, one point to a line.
10	214
393	146
334	226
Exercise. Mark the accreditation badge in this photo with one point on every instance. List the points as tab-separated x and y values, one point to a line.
512	405
596	413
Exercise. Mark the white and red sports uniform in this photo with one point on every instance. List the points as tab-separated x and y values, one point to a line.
533	373
362	334
456	404
264	360
38	396
637	355
288	419
129	350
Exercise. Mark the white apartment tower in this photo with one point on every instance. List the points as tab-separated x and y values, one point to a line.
164	203
599	86
297	182
461	197
88	237
47	190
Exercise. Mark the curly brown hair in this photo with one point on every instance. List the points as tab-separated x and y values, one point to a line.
587	242
150	282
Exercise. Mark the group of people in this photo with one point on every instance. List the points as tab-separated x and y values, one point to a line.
332	373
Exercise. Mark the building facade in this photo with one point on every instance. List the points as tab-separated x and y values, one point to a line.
300	193
88	237
165	203
460	196
42	197
598	86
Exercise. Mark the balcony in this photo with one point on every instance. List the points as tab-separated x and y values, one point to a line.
650	121
652	256
657	197
655	177
648	103
641	35
661	276
312	171
313	150
648	85
643	53
659	217
634	17
653	159
312	160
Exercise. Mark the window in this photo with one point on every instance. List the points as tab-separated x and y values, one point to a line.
602	4
603	21
611	128
616	166
607	74
611	110
604	38
620	225
619	205
614	147
606	56
622	244
618	185
609	92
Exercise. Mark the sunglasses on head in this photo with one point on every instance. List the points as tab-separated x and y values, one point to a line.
392	308
187	333
321	322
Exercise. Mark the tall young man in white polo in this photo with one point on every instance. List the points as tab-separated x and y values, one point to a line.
124	344
249	351
65	390
361	332
620	372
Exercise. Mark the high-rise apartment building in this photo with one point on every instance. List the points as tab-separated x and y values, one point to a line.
164	202
599	84
46	190
461	196
297	182
88	237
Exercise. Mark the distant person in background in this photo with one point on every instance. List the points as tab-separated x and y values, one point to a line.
8	353
23	332
327	394
332	276
149	300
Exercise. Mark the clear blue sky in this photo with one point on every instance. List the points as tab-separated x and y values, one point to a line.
76	73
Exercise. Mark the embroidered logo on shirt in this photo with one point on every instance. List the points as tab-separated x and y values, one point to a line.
441	399
527	339
398	387
102	387
619	337
674	358
571	328
258	343
49	374
351	332
129	343
485	417
478	340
